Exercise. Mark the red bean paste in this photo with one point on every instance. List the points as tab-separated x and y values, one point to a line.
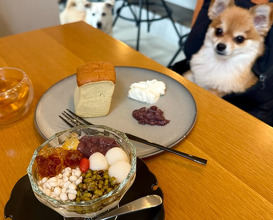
151	116
91	144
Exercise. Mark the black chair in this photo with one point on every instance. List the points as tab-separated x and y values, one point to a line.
149	5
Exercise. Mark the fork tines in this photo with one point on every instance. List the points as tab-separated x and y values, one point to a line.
72	119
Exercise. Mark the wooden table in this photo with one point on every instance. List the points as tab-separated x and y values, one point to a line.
237	182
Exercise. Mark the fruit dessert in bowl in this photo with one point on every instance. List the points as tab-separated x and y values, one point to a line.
83	171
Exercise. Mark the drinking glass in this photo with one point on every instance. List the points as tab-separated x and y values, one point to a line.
16	94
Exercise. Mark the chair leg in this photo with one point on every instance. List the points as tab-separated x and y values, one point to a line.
181	46
147	14
139	24
118	12
133	13
174	57
170	16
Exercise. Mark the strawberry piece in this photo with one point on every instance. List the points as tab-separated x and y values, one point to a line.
84	165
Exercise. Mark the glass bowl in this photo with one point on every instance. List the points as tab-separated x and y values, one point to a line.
16	94
95	207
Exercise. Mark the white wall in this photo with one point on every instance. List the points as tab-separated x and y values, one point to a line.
24	15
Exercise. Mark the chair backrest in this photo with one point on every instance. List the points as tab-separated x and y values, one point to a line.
25	15
198	6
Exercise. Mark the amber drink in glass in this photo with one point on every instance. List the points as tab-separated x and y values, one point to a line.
16	94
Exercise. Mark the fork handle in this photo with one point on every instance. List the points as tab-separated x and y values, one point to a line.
185	155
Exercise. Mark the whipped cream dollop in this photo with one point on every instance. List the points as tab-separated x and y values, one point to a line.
147	91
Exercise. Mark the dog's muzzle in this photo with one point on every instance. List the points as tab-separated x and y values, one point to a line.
99	25
220	49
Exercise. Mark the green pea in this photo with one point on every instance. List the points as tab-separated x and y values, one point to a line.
106	182
87	180
85	198
83	186
94	185
98	192
98	177
79	194
87	175
106	176
91	187
109	189
86	194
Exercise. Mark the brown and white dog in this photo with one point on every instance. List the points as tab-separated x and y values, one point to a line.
97	14
233	42
74	11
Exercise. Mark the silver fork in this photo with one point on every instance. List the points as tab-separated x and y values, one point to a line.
71	119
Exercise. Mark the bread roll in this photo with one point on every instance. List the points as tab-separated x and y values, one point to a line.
95	88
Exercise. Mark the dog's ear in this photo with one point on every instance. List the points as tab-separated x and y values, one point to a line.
70	4
87	5
262	17
110	3
218	6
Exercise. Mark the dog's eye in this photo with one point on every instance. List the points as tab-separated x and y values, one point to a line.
93	14
87	5
103	14
218	32
239	39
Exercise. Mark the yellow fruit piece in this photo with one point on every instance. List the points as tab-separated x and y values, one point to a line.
71	143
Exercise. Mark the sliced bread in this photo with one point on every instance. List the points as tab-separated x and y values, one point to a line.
95	88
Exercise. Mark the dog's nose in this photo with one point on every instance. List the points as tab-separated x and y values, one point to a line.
99	24
221	47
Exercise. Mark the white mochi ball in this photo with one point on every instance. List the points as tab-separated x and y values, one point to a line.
119	170
98	161
115	154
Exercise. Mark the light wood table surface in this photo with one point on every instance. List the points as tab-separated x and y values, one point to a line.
236	183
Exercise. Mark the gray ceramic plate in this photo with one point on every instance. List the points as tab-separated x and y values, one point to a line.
178	105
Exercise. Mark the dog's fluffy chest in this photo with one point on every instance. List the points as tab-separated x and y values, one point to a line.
226	75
